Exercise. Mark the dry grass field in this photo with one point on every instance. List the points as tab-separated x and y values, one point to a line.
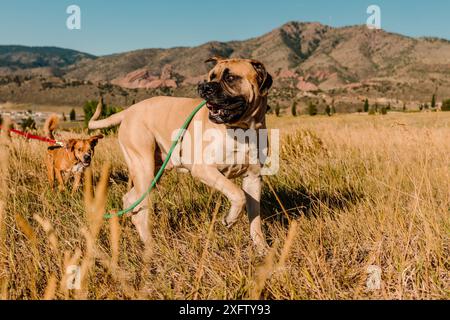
353	191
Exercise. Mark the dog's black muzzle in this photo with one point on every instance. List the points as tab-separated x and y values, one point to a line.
223	108
87	158
208	90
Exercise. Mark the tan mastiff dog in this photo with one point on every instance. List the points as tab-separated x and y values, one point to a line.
236	95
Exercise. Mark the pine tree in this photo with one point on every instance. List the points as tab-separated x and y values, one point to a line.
366	105
333	109
328	110
277	110
433	102
73	115
294	109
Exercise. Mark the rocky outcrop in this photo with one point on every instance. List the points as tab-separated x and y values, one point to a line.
144	79
306	86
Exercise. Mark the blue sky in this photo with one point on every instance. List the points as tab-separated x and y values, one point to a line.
112	26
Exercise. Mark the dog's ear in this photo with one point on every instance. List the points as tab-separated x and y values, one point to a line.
265	80
94	140
215	59
70	145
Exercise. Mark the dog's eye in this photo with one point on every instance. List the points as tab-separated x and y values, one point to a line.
230	78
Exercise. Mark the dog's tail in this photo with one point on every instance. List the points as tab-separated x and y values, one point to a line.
50	126
112	121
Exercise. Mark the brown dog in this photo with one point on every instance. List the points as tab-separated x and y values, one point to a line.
72	158
236	95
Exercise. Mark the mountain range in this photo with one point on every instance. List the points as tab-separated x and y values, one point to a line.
306	57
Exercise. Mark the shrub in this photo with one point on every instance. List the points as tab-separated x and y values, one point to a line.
446	105
28	124
89	110
384	110
328	110
372	111
312	109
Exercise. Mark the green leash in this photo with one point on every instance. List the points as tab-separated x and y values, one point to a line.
161	171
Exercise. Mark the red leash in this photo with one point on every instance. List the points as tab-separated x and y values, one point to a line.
32	136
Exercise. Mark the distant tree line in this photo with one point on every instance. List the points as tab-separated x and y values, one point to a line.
312	107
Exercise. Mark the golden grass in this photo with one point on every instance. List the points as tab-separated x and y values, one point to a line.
4	157
353	191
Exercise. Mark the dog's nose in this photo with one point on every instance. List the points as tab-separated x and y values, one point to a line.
206	89
87	157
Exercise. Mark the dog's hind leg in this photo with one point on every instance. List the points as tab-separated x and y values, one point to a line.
141	218
50	171
129	198
141	165
60	179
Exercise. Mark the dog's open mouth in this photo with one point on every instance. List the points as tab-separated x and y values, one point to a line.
86	164
228	114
